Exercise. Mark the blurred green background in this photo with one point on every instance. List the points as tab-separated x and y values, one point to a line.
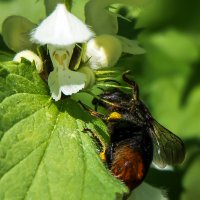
169	79
168	75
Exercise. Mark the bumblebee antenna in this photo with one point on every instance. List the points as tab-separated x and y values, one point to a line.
132	83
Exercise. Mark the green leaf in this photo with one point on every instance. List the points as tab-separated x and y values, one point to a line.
51	4
5	56
16	33
107	23
78	8
44	151
32	9
130	46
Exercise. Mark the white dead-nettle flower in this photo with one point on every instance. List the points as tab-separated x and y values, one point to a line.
61	31
103	51
31	56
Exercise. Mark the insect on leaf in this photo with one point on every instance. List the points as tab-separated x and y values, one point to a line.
44	153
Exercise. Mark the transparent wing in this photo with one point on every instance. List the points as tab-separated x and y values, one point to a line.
168	148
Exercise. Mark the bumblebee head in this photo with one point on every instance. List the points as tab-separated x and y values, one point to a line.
112	100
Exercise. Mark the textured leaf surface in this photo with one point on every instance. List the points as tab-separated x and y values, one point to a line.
44	153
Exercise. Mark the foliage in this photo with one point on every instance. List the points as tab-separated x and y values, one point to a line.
41	139
43	148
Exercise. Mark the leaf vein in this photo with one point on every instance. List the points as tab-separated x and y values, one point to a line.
25	157
43	107
84	161
43	155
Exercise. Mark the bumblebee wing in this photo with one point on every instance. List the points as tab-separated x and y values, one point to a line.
168	148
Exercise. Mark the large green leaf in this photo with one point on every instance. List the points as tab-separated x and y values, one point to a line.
107	23
44	151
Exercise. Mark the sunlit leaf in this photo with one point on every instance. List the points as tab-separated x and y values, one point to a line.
44	151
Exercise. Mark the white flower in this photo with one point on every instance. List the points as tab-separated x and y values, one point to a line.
146	192
31	56
61	28
103	51
62	79
61	31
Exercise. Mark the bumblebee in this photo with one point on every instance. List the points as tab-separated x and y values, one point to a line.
136	138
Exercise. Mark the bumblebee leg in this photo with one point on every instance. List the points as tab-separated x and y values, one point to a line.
100	140
133	84
92	112
96	136
109	155
95	102
102	155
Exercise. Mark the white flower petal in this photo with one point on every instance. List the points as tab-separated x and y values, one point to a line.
71	82
103	51
54	85
66	81
166	168
61	28
146	192
61	57
31	56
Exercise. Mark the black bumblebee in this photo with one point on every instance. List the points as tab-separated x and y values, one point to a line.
136	138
